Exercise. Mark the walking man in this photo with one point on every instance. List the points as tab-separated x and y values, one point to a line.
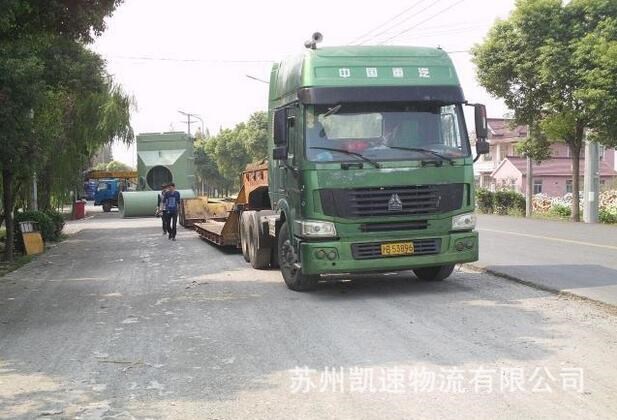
160	208
172	201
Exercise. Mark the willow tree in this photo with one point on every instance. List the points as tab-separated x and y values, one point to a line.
28	30
554	63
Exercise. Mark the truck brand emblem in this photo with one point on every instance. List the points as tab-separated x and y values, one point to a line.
395	203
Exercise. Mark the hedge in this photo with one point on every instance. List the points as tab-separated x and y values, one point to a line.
50	224
58	220
500	202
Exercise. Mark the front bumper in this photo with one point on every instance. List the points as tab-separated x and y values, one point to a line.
346	263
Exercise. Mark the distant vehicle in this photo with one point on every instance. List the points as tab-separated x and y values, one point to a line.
107	192
90	189
108	185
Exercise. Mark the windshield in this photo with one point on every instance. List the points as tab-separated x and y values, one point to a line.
383	131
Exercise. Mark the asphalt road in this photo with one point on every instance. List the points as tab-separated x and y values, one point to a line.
572	257
119	322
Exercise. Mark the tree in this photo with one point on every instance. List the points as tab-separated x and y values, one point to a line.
115	166
220	159
256	136
554	65
29	82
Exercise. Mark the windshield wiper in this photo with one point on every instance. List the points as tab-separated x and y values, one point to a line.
347	152
332	110
418	149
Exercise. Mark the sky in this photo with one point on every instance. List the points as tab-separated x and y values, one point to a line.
195	55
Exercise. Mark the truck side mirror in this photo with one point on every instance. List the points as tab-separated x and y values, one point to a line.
280	153
482	147
279	130
481	124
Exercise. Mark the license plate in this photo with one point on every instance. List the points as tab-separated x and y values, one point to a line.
397	248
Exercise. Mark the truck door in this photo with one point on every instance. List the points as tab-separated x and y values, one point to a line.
284	182
289	168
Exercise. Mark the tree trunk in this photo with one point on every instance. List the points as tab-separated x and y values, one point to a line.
44	180
7	202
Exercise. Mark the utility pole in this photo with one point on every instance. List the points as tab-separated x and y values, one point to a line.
529	189
35	194
591	189
188	116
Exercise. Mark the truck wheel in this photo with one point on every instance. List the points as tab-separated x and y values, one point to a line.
294	279
439	273
106	206
258	256
244	243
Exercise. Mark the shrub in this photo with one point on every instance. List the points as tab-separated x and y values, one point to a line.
58	220
560	210
485	200
506	201
608	215
46	225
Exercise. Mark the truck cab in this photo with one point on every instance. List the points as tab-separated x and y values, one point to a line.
371	168
107	192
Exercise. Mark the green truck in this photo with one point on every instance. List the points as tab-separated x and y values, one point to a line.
370	170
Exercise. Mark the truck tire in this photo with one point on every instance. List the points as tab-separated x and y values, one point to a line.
294	279
107	206
439	273
244	244
259	256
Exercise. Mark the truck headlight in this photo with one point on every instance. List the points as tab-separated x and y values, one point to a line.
315	229
465	221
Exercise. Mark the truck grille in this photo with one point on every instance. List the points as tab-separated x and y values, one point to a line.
370	250
391	227
392	201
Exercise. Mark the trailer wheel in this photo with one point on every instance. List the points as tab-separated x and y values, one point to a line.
294	279
439	273
258	256
244	243
107	206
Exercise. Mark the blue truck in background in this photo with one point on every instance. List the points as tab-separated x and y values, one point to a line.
107	192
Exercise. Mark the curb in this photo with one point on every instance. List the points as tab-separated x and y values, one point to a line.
559	293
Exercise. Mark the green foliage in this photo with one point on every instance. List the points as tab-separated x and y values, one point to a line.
555	64
220	159
80	20
58	219
507	200
57	104
485	200
608	215
560	210
536	145
46	225
115	166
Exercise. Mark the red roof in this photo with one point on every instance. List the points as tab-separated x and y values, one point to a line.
501	131
553	167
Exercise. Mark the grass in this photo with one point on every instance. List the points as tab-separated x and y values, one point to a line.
18	261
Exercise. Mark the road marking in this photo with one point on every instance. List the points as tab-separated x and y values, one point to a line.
550	238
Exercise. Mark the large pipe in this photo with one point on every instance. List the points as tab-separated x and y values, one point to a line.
143	203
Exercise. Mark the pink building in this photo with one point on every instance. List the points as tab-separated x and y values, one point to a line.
503	167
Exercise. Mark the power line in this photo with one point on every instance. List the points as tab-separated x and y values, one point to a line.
189	60
387	21
422	22
398	24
